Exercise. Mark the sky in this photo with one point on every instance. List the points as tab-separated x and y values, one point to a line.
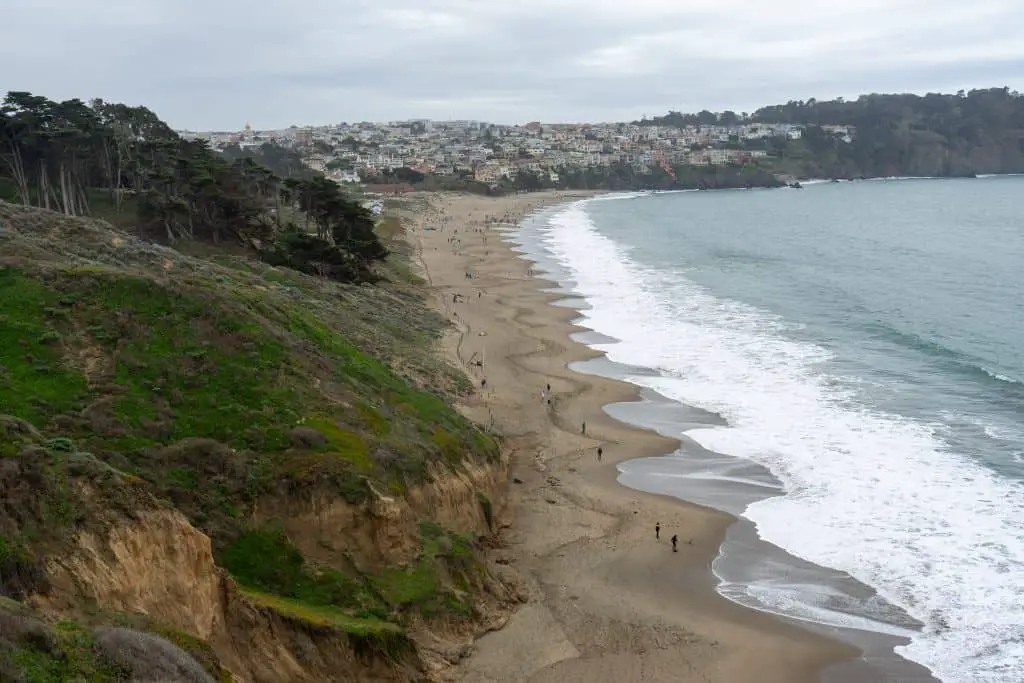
217	64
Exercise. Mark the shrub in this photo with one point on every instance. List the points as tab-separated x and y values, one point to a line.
264	560
20	575
316	256
61	444
26	631
49	337
149	657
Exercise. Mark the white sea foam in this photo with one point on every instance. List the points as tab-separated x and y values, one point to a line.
870	493
1001	377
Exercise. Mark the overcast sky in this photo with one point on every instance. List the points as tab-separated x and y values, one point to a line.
215	64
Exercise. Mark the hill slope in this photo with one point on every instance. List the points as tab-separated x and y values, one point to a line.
263	463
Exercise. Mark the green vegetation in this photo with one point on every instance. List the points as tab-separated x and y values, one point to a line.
355	601
75	157
140	369
265	561
36	651
282	161
63	653
323	615
616	177
133	376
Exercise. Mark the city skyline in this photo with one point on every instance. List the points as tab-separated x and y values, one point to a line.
206	66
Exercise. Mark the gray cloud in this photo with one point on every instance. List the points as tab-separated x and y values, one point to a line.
217	63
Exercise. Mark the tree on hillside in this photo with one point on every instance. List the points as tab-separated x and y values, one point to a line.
67	155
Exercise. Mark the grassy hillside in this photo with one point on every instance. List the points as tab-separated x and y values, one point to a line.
212	382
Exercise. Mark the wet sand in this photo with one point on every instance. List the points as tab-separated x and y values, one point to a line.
607	601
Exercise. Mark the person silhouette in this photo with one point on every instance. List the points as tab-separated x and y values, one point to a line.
657	531
675	539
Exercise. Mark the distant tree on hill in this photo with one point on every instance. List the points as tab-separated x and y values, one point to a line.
397	176
980	131
283	161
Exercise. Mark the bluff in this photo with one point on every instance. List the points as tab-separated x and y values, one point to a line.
215	469
975	132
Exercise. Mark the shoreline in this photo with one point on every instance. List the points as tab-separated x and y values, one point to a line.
821	599
606	600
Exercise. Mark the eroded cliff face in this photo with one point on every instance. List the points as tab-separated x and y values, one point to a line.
159	565
327	529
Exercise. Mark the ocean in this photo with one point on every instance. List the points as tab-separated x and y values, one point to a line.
845	366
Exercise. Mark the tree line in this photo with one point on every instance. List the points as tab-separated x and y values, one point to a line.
616	177
111	159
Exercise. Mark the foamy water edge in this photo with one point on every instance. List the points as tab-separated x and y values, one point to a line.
916	559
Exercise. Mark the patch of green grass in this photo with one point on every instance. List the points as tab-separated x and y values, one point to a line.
134	368
344	443
322	615
216	373
183	478
264	560
423	586
35	383
408	586
451	436
373	419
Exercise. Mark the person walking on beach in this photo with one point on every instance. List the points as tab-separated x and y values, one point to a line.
549	387
600	452
584	428
657	531
675	539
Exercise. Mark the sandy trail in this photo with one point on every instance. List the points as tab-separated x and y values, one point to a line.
607	601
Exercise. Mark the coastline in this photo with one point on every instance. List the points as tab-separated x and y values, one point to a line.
605	600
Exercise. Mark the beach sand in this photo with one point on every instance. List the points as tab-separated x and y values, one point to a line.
607	601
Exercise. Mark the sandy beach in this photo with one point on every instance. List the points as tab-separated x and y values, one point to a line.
605	599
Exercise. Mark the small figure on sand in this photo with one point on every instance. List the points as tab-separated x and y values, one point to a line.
483	383
657	531
600	452
549	387
583	430
675	540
